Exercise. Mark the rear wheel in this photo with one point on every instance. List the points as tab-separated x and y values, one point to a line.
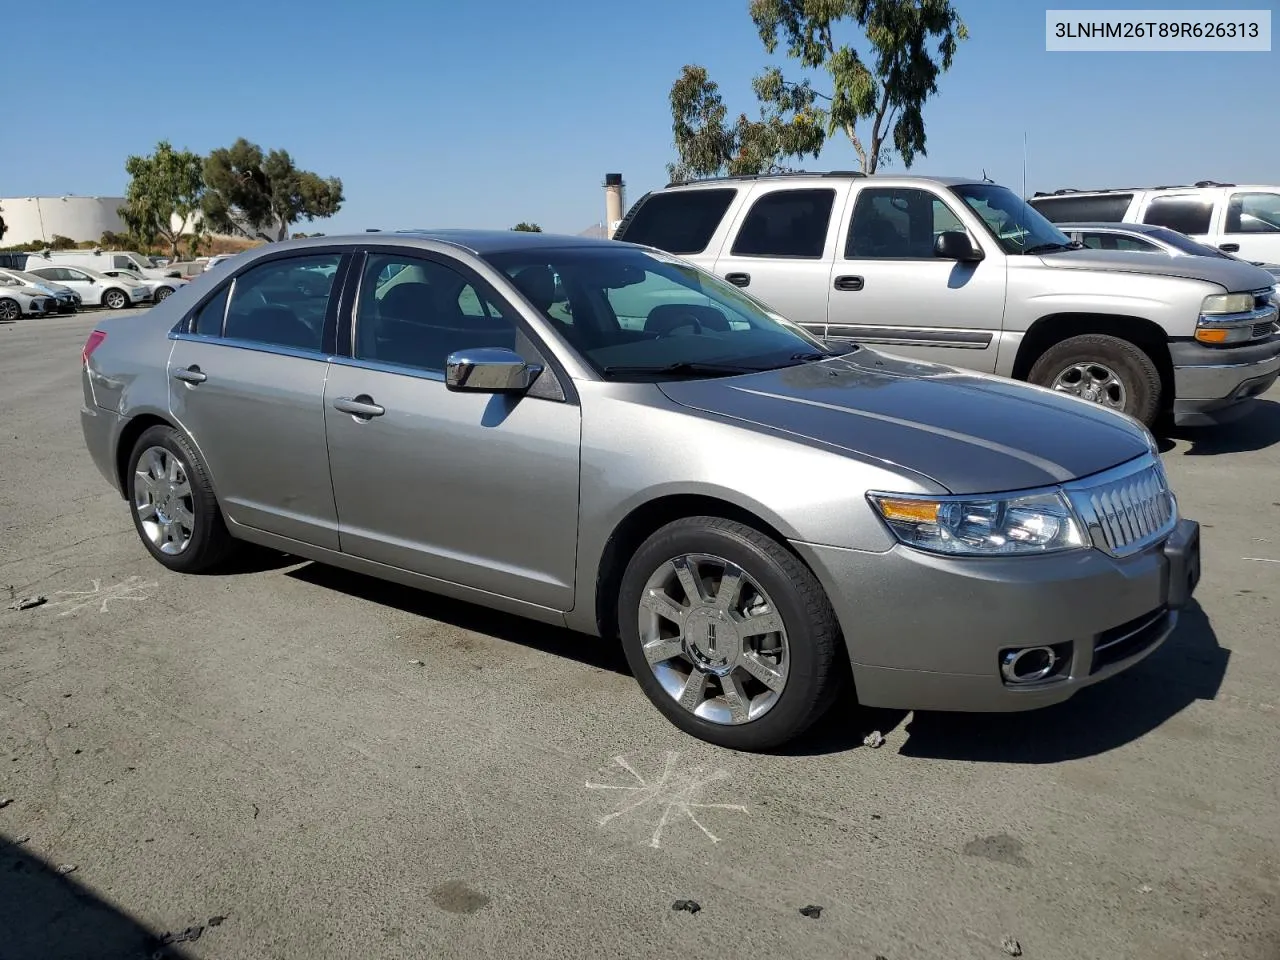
10	310
115	299
174	508
729	635
1105	370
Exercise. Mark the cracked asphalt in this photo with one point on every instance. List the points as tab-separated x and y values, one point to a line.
261	746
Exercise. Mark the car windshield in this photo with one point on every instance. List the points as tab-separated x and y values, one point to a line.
640	314
1180	241
1016	225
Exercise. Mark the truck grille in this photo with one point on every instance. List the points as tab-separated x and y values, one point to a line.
1261	330
1126	509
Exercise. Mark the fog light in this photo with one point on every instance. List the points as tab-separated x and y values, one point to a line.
1028	664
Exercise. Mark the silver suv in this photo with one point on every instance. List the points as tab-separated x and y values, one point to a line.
964	272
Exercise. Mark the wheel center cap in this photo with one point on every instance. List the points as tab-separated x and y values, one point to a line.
711	640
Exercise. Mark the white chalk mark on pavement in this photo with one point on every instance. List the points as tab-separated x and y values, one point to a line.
100	597
674	794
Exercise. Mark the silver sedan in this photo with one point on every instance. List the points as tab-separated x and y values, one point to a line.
601	436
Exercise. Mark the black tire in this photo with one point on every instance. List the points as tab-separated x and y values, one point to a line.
163	292
10	310
815	675
114	299
210	544
1132	366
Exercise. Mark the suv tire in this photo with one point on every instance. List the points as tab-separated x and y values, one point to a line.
800	661
1111	372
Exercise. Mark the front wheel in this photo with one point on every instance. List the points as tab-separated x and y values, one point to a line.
174	508
1108	371
163	293
115	299
9	310
728	633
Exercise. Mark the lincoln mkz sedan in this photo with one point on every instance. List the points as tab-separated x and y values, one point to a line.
599	435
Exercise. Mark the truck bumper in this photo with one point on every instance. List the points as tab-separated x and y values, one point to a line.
1215	385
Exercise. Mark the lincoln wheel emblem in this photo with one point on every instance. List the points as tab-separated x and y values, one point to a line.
711	638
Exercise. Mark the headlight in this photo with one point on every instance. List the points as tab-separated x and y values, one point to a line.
1220	303
983	526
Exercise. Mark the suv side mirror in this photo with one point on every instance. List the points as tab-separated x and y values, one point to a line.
489	370
956	245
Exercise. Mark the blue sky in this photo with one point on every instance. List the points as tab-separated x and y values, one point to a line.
482	114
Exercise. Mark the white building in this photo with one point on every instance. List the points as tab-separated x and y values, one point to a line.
30	219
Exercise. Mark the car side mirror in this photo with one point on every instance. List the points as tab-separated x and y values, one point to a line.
956	245
489	370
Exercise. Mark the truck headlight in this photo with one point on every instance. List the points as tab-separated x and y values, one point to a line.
1220	303
1041	522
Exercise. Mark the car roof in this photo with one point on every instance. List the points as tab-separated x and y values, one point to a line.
828	175
479	242
1112	226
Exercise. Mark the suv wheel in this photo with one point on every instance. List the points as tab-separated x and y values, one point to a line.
729	635
1105	370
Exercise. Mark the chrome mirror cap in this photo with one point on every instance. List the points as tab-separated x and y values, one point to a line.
489	370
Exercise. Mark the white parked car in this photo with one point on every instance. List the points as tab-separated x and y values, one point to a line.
66	299
104	260
19	299
97	289
214	261
159	288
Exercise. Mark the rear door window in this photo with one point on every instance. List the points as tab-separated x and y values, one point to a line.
680	222
1186	214
283	303
786	223
1099	208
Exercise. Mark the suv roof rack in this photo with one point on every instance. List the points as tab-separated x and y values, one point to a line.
766	176
1168	186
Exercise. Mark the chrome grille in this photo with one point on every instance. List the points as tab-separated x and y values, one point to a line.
1126	509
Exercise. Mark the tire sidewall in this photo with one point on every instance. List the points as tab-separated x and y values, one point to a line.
786	718
172	441
1126	360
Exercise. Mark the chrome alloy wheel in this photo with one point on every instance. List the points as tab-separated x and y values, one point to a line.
162	497
714	639
1092	381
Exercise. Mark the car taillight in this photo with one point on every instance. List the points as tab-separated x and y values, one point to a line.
92	344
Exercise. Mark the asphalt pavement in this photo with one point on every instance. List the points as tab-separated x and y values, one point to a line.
289	761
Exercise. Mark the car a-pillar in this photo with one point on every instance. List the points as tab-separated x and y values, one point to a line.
1118	362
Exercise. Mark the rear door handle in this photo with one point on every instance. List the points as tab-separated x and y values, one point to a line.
361	406
191	374
738	279
1229	247
848	283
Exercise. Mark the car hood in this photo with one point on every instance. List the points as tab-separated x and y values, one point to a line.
966	432
1236	277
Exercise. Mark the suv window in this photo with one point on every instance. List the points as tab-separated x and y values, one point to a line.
1188	215
897	224
680	222
1253	213
415	312
1101	208
283	302
208	319
786	223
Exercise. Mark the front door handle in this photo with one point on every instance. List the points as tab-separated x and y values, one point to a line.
361	406
191	374
848	283
738	279
1229	247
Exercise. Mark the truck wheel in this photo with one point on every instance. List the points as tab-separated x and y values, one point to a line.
1108	371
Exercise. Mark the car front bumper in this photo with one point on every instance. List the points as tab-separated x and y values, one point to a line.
926	632
1216	385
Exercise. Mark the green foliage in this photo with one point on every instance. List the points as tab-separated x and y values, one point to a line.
247	190
59	242
525	227
163	187
888	88
3	228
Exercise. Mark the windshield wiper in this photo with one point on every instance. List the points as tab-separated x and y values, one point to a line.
693	368
1053	247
